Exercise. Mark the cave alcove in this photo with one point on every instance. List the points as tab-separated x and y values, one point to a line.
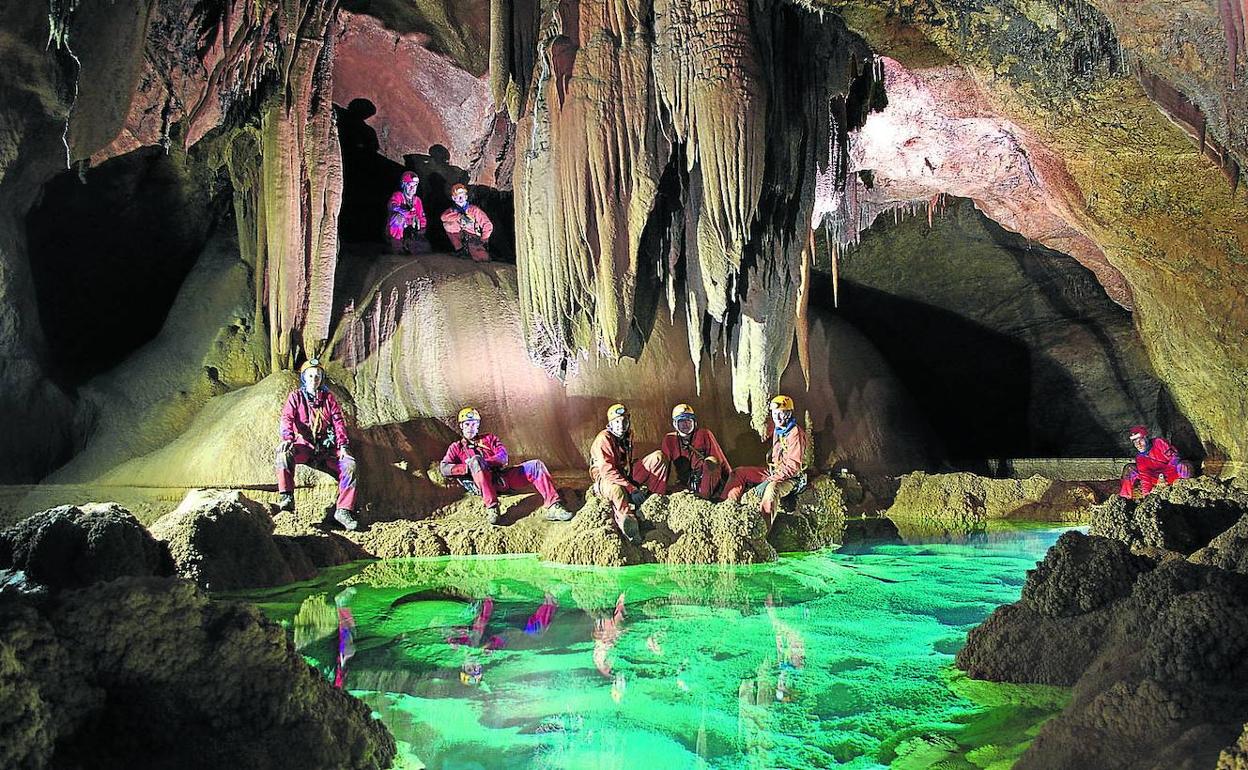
109	249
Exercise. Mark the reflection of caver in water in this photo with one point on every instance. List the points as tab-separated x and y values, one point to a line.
467	225
314	433
346	634
406	224
479	464
1155	460
616	478
785	473
692	458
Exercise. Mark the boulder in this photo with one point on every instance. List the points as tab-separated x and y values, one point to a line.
1080	574
1183	517
223	541
74	546
959	503
148	672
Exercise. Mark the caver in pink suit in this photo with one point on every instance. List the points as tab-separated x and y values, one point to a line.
315	427
493	476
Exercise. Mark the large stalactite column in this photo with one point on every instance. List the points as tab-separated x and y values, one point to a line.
287	174
589	158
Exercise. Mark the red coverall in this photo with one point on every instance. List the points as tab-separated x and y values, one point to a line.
701	454
615	475
785	472
315	426
470	227
406	214
1160	459
494	476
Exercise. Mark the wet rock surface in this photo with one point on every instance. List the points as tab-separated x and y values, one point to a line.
74	546
1182	517
147	672
1155	646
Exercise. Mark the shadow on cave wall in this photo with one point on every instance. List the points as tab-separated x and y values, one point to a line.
109	251
369	178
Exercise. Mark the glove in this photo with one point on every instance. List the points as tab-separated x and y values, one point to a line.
639	497
285	446
474	464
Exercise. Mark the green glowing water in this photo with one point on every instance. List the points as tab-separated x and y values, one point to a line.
832	659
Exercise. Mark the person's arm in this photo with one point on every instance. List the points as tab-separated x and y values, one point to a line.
495	453
339	422
483	223
605	460
450	223
717	452
419	209
397	204
286	425
452	462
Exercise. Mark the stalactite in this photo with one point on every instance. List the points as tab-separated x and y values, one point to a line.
803	308
1234	15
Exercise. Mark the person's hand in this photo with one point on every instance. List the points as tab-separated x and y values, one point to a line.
285	446
343	453
474	464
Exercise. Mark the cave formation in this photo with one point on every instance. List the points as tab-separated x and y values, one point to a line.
960	234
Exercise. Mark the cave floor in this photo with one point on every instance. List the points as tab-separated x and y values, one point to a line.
824	658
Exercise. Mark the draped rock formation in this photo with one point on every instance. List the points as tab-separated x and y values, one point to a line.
670	148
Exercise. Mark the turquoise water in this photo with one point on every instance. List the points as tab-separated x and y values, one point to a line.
832	659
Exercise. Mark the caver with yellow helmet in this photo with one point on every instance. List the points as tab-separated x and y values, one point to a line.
479	463
689	457
616	478
314	433
785	473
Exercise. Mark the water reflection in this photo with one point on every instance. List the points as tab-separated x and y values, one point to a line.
818	660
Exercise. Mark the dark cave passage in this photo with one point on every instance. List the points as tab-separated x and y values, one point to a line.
108	253
1009	349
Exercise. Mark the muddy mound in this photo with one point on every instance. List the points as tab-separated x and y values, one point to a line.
1155	650
1228	551
960	503
147	672
224	541
1183	517
74	546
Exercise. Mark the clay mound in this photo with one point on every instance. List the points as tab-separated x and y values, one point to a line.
1228	551
1183	517
74	546
959	503
590	538
1080	574
148	672
224	541
1156	652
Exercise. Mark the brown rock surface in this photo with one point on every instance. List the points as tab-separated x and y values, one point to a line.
1155	650
1182	517
963	502
224	541
148	672
75	546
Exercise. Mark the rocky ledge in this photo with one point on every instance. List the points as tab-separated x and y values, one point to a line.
1153	641
105	662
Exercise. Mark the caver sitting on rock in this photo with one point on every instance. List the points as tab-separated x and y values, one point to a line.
616	478
785	473
691	458
467	225
479	463
314	433
406	224
1155	460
